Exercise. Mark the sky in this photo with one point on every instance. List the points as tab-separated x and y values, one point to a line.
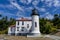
23	8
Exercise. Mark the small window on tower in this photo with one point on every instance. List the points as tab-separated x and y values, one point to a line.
22	22
18	22
35	24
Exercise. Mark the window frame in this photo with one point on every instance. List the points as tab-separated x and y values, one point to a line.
18	22
17	28
22	22
22	29
35	24
27	25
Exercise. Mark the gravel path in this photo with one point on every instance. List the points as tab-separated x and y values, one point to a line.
6	37
53	37
44	37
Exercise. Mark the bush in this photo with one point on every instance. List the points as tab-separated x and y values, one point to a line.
48	28
53	30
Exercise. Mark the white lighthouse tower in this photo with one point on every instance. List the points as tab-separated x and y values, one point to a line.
35	24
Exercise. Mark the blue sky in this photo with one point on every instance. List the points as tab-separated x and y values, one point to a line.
22	8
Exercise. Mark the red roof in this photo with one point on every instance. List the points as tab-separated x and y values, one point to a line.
24	19
12	26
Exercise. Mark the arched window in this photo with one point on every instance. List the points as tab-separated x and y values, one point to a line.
27	25
17	28
18	22
22	29
22	22
35	24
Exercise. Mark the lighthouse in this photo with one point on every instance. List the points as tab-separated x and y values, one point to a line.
26	27
35	23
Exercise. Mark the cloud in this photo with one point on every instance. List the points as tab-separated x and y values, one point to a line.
19	14
50	3
42	0
35	2
56	3
29	9
4	13
30	4
47	15
41	9
9	6
29	1
21	10
25	1
16	5
48	0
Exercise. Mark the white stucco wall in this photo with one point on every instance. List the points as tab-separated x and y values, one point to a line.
11	30
26	30
35	18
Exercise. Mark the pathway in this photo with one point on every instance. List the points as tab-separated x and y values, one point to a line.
53	37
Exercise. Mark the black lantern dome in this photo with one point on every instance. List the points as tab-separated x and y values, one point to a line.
34	12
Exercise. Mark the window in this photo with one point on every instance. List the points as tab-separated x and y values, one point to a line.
22	22
35	24
17	28
18	22
22	29
27	25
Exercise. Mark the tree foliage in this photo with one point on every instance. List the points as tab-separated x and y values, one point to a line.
50	26
5	23
56	20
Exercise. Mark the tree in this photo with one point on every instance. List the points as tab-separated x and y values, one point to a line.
56	21
4	24
46	26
